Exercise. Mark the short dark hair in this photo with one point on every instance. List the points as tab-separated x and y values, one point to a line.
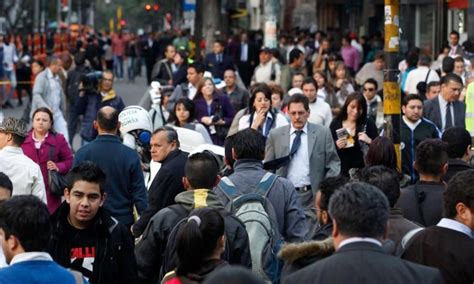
458	140
249	144
360	210
424	60
411	97
5	182
277	89
108	121
86	171
355	96
385	179
381	152
432	84
460	189
371	81
453	32
171	134
447	65
451	77
379	55
201	170
188	105
228	145
197	240
327	187
27	218
309	80
295	54
430	156
459	59
299	99
199	67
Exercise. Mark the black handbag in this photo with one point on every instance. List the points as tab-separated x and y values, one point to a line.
56	181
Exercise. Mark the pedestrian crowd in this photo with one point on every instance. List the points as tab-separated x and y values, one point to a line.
308	189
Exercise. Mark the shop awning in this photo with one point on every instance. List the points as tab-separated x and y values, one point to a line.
457	4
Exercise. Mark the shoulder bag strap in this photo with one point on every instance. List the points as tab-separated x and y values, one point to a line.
420	197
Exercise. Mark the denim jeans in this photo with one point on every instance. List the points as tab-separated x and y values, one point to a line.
9	76
131	68
118	66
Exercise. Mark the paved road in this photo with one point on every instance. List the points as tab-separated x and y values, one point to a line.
131	93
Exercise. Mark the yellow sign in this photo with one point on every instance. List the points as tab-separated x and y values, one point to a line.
119	12
391	98
240	13
111	25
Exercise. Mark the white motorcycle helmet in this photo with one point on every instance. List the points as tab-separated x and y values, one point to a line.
136	121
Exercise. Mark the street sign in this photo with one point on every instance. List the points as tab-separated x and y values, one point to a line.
240	13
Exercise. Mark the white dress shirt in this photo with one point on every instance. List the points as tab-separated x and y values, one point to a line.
31	256
280	120
244	47
320	113
298	170
357	239
456	226
191	91
24	173
442	108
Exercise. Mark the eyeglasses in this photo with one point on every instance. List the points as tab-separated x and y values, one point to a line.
369	89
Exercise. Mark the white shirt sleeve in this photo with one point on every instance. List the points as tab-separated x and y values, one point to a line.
244	122
37	188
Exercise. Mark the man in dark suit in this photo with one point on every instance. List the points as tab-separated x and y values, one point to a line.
150	53
446	110
360	213
309	164
247	58
449	246
217	62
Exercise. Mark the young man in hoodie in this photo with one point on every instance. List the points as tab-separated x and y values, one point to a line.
201	175
85	237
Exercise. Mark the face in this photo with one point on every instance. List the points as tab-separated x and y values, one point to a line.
453	39
341	72
182	114
265	57
433	92
4	139
217	48
298	115
451	91
41	122
36	68
353	111
261	102
5	194
379	64
177	59
325	45
107	81
192	76
84	200
297	81
229	78
6	245
170	52
332	64
276	101
413	111
309	90
369	91
160	147
319	80
458	67
207	88
55	68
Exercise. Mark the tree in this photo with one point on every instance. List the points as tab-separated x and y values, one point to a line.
207	23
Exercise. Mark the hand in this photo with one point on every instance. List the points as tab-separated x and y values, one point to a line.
220	122
258	119
339	83
52	166
206	120
170	82
341	143
363	137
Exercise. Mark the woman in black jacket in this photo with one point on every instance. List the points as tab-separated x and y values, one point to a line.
353	132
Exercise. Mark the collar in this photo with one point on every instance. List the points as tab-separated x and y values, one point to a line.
245	164
108	137
37	140
458	162
376	98
442	101
410	124
12	149
31	256
456	226
49	74
305	129
171	155
357	239
191	86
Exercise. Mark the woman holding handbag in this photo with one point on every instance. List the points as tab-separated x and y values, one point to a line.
49	150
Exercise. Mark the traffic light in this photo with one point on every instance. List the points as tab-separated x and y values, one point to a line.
156	7
148	7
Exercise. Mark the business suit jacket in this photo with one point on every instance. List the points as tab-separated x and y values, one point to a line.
431	111
218	68
363	262
323	158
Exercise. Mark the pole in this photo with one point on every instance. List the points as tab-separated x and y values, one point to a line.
391	88
198	25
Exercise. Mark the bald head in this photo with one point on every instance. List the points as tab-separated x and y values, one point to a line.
107	120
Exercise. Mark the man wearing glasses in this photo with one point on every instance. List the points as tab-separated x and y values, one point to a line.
90	101
374	102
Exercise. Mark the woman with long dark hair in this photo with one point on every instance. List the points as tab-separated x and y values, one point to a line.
48	149
199	244
353	132
183	116
262	116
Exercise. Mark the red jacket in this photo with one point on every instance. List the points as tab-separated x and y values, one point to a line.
62	156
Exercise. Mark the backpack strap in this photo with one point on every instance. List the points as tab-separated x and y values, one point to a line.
228	188
420	197
266	184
